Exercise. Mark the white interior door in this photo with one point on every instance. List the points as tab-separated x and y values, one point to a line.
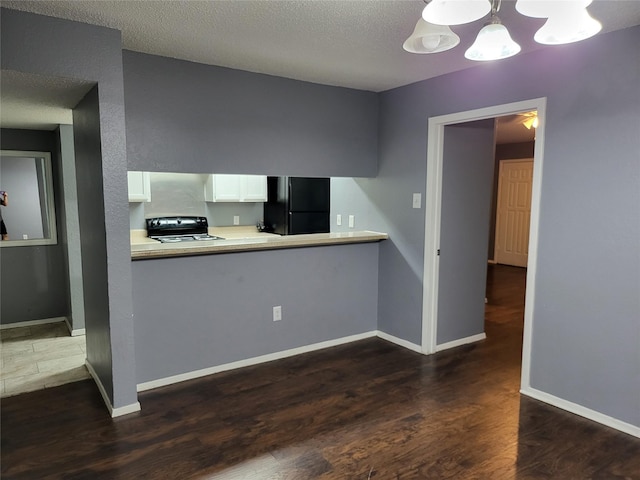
514	212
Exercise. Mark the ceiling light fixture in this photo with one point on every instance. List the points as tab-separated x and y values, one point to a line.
567	25
455	12
531	120
546	8
493	41
568	21
430	38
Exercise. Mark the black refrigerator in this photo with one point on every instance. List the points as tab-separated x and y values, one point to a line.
297	205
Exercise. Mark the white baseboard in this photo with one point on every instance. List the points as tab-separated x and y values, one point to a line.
31	323
126	410
161	382
74	333
582	411
114	412
461	341
400	342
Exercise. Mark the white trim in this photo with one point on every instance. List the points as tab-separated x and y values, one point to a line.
461	341
31	323
74	333
72	222
435	148
399	341
114	412
126	410
582	411
532	262
161	382
433	202
98	383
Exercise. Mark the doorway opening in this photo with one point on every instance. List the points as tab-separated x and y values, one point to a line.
433	225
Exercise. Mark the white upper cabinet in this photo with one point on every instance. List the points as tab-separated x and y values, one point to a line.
139	186
253	188
222	188
236	188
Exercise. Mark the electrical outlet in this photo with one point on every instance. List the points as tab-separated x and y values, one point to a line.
277	313
338	219
25	236
417	200
236	219
352	221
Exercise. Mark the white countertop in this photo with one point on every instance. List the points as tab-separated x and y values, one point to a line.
242	239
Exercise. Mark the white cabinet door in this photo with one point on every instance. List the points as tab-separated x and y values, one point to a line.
223	188
236	188
254	188
139	186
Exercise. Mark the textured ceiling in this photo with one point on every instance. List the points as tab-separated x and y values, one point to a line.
351	43
35	102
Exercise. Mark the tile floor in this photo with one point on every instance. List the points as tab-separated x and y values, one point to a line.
38	357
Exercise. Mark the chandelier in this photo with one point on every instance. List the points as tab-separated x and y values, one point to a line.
567	21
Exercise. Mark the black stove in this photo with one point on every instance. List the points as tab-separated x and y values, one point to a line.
179	229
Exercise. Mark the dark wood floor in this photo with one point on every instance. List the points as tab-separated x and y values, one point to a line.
364	410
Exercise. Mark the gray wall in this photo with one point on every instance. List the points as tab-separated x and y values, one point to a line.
349	197
189	117
186	117
33	280
93	246
586	329
52	47
467	173
70	227
184	323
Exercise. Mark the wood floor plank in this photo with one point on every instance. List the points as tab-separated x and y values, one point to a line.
367	410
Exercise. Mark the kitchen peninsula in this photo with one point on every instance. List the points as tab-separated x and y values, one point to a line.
197	312
243	238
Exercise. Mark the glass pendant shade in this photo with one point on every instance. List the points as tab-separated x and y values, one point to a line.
546	8
455	12
493	43
429	38
568	26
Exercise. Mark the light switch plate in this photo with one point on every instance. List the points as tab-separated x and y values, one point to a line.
352	221
277	313
338	219
417	200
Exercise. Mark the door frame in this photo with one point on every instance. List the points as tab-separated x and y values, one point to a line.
435	150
